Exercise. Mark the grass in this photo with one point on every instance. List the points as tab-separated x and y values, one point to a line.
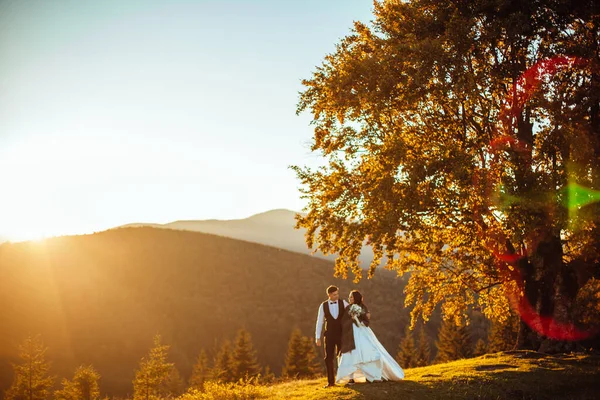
508	375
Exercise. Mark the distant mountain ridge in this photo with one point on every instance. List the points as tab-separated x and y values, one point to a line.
273	228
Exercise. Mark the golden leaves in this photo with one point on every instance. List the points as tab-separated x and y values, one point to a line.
406	113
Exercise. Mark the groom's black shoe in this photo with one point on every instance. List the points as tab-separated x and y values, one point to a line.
329	385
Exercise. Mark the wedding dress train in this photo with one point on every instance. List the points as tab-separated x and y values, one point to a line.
369	361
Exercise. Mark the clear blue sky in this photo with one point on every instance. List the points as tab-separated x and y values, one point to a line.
152	111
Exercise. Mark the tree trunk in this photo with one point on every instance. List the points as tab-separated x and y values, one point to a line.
550	288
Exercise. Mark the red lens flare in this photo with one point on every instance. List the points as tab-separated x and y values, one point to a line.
489	182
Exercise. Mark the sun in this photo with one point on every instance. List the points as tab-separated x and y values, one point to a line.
25	234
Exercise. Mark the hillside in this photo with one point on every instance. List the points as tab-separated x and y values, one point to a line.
100	298
273	228
510	375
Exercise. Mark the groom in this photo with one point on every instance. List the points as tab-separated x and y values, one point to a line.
330	314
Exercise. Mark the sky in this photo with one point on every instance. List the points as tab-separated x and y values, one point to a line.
121	111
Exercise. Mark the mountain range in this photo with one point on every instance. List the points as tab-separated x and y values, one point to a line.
273	228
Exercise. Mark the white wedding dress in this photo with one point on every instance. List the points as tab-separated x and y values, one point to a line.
369	361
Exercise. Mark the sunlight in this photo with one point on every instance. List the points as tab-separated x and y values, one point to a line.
29	233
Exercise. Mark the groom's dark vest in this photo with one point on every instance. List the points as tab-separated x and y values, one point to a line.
333	326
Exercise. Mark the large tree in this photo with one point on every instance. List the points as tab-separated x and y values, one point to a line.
462	142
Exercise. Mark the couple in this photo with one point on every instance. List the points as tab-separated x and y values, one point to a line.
347	332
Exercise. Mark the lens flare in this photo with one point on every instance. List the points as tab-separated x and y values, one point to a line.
579	196
574	197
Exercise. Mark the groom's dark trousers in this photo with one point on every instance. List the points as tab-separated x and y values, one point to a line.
333	338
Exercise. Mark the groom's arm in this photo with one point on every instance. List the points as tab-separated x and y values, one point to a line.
319	328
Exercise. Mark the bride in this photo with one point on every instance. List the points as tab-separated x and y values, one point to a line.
363	358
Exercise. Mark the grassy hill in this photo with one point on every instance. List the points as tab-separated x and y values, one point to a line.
509	375
100	298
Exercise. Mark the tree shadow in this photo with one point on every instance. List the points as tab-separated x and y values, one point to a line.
547	383
406	390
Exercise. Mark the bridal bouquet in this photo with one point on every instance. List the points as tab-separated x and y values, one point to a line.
355	311
358	315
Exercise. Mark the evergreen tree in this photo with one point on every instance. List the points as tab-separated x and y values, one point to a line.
293	359
267	376
84	385
423	349
68	391
175	386
86	381
503	334
245	363
480	348
453	342
313	364
153	373
200	373
407	355
222	370
31	380
301	358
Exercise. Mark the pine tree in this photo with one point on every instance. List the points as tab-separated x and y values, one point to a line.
267	376
200	373
68	391
301	358
153	373
407	355
222	370
86	381
503	335
453	342
293	359
313	364
84	385
31	380
175	386
423	349
480	348
245	363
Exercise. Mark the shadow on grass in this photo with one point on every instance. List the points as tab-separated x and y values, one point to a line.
542	384
406	390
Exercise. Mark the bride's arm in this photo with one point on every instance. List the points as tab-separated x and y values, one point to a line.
366	316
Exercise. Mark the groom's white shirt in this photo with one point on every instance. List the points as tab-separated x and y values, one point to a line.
334	309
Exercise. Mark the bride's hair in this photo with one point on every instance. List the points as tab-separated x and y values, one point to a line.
358	298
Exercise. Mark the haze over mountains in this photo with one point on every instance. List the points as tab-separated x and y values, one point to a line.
100	298
273	228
